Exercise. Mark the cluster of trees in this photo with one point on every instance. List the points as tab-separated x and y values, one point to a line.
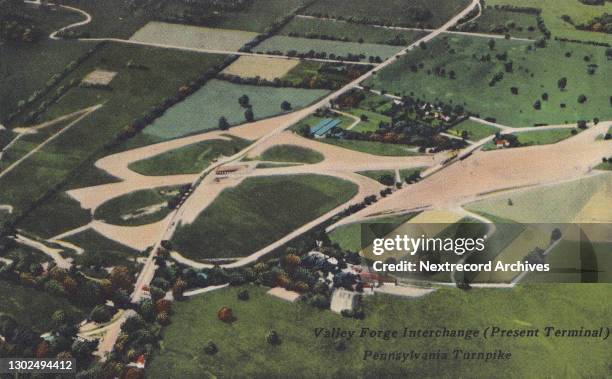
16	25
61	341
23	105
397	40
602	24
421	18
323	55
329	76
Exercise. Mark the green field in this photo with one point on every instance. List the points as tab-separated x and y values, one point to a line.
25	67
285	44
500	21
349	32
134	91
292	154
607	166
377	174
532	75
395	12
372	122
258	212
543	137
201	111
349	237
258	15
550	204
137	208
54	216
372	147
190	159
552	10
529	306
33	308
476	131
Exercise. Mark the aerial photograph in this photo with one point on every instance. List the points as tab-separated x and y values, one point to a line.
305	189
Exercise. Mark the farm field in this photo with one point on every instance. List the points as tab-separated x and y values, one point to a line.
201	111
134	92
258	15
416	13
248	66
33	308
499	21
291	154
25	68
192	36
372	147
475	130
552	10
137	208
195	323
535	80
285	44
264	209
543	205
349	32
190	159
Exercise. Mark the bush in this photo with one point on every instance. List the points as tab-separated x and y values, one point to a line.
273	338
243	295
211	348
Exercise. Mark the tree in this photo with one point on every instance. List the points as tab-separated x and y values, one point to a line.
243	295
273	338
121	278
562	83
555	235
101	314
286	106
537	105
211	348
244	101
491	44
223	124
248	115
163	319
582	99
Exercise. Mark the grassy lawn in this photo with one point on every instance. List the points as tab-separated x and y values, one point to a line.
372	122
54	216
137	208
500	21
134	91
532	75
395	12
305	27
264	209
291	153
551	204
190	159
552	10
349	237
201	111
544	137
258	15
372	147
304	45
377	174
528	306
476	131
607	166
31	307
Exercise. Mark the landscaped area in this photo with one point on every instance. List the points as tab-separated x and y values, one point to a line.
190	159
291	154
511	82
475	131
506	22
372	147
201	111
138	208
264	209
195	323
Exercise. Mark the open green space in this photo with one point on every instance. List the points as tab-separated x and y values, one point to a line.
606	166
380	175
291	153
55	215
372	147
26	67
549	204
201	111
258	15
419	13
349	32
137	208
543	137
285	45
484	82
553	10
499	21
349	237
528	306
264	209
134	92
370	121
475	130
190	159
33	308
